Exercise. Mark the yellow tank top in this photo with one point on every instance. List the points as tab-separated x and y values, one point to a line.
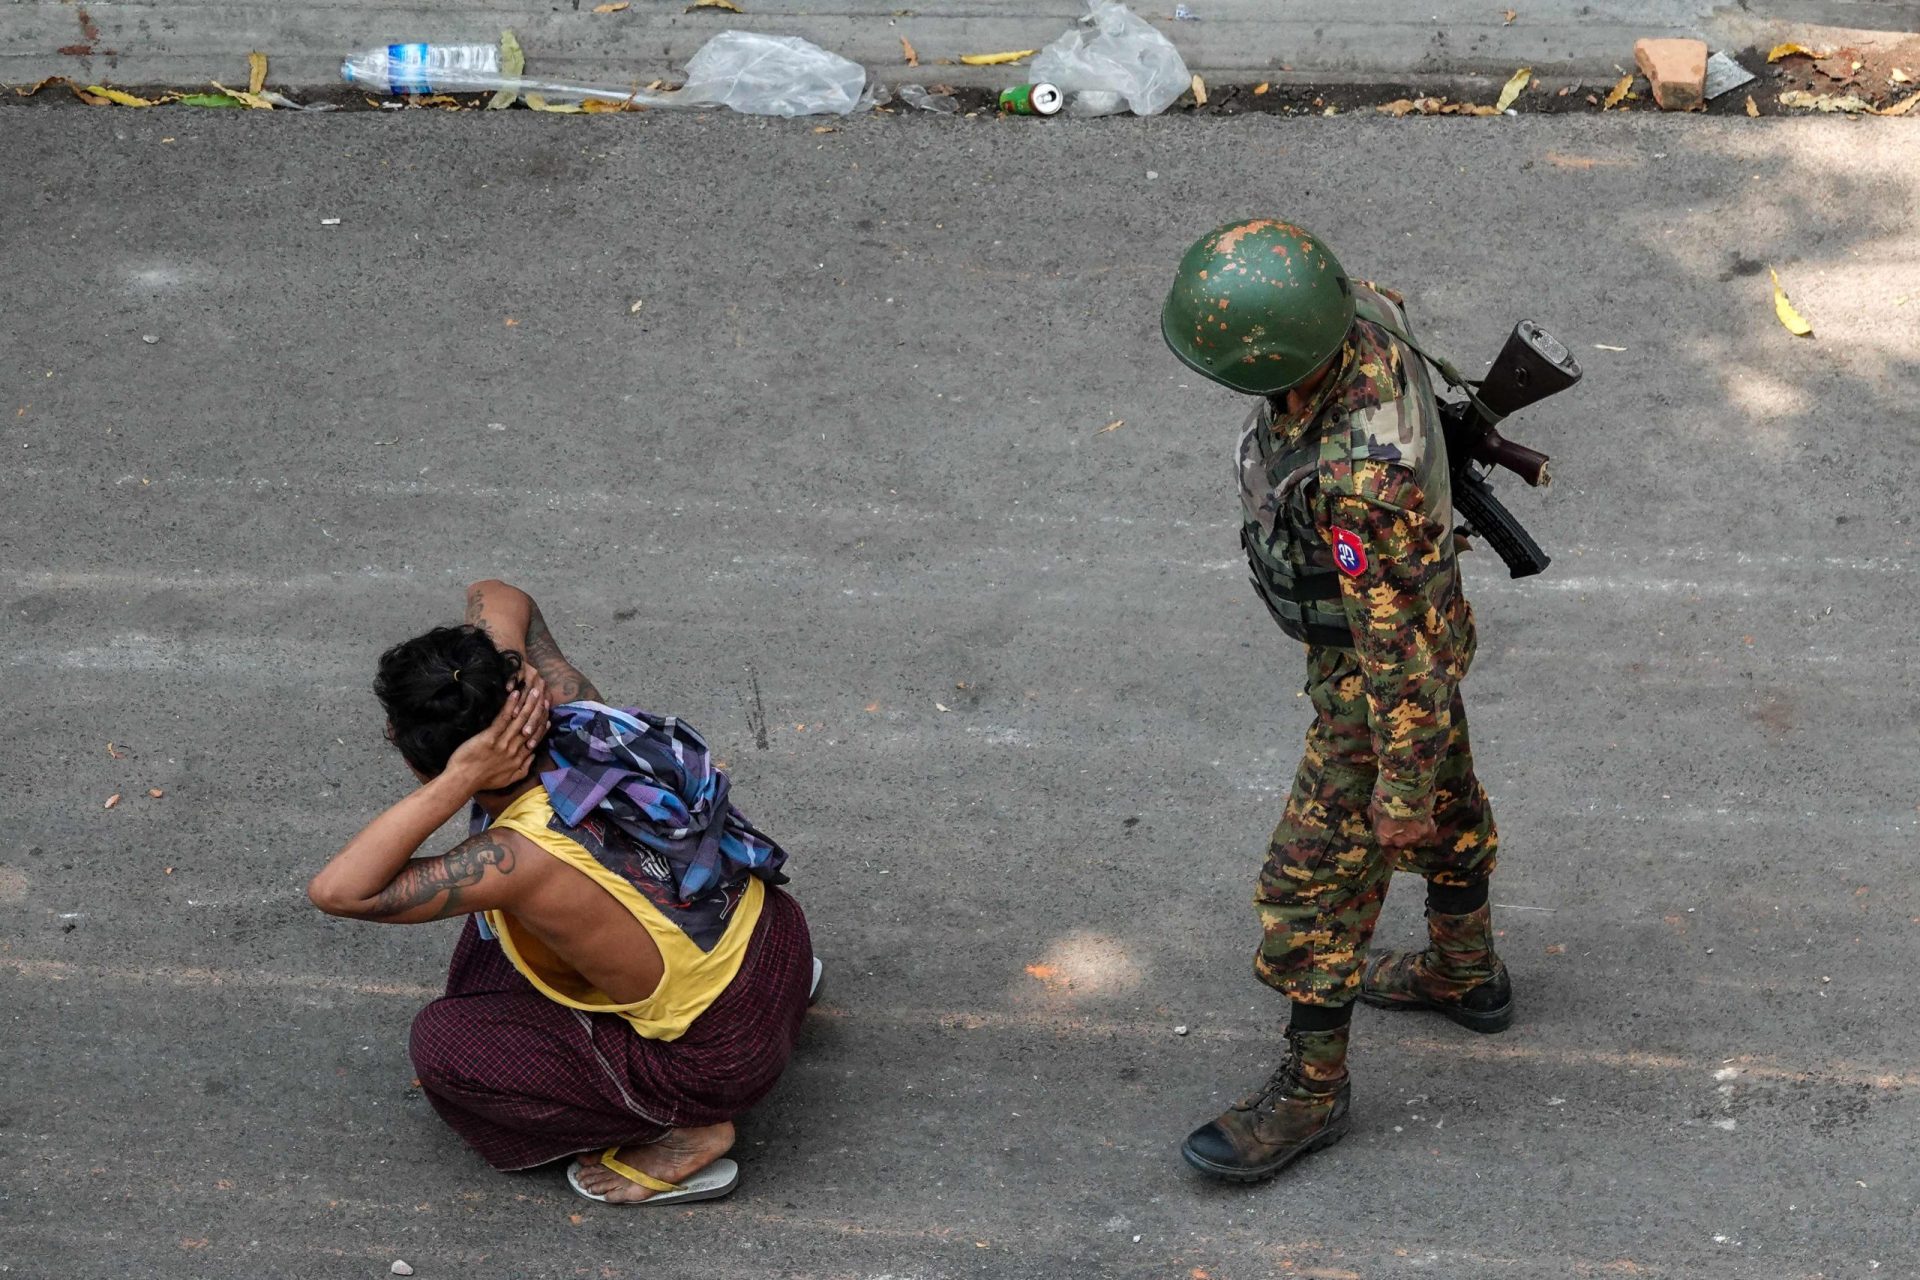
691	980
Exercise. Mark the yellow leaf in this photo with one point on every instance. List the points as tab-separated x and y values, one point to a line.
610	8
1901	107
996	59
539	103
1851	104
1617	94
1260	90
86	95
1515	83
907	52
513	63
1199	92
1795	322
120	96
1787	50
607	106
253	100
1753	108
728	5
256	72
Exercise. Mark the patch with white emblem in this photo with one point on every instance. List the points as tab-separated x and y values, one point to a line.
1349	553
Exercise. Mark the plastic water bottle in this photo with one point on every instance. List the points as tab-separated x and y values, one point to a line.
425	68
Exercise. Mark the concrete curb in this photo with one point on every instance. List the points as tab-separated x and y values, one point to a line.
1439	46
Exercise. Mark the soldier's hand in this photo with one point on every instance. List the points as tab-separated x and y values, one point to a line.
1401	833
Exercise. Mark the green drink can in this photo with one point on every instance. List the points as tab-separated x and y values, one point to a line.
1032	100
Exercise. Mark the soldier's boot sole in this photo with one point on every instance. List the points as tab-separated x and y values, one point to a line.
1486	1021
1337	1126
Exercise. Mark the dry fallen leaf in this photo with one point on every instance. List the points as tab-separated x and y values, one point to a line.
120	96
996	59
1557	949
907	52
611	8
1618	94
1795	322
1199	92
728	5
513	64
256	71
824	128
1787	50
1901	107
538	103
1397	108
638	303
155	792
1115	425
253	100
27	91
1260	90
1898	76
1848	104
938	706
1509	15
87	96
112	800
1753	108
1515	83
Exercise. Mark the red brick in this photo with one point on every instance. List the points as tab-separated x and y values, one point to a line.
1677	69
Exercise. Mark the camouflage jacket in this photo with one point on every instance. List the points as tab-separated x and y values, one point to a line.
1373	505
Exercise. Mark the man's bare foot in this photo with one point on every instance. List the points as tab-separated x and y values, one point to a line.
674	1158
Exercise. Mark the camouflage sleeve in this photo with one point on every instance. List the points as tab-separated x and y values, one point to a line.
1397	594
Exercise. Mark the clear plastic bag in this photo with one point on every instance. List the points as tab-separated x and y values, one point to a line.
760	75
917	95
772	76
1122	60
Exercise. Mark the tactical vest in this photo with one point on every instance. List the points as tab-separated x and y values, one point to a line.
1293	567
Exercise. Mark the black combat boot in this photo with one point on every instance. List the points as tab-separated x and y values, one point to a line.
1458	974
1301	1108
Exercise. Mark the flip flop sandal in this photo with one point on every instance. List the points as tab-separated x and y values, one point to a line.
813	990
716	1180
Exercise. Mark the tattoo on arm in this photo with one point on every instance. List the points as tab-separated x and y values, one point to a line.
423	880
564	681
475	605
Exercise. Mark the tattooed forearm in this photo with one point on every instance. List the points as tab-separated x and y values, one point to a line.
564	681
423	880
476	604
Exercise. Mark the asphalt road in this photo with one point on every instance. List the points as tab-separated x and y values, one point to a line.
840	495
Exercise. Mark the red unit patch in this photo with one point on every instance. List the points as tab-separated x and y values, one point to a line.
1349	553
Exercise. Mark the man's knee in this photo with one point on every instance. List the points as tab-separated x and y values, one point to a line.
435	1043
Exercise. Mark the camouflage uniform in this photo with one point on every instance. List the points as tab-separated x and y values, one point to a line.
1348	504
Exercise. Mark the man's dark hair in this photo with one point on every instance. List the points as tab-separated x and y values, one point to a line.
440	689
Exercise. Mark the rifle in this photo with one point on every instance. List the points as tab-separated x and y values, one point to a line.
1532	366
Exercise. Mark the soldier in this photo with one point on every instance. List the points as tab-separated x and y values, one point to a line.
1348	526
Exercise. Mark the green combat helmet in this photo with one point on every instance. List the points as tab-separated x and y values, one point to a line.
1257	306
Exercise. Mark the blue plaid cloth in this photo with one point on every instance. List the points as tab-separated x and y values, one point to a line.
653	779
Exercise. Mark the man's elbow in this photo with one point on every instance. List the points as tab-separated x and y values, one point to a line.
326	898
488	586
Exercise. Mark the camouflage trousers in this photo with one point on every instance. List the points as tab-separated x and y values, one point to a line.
1325	876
